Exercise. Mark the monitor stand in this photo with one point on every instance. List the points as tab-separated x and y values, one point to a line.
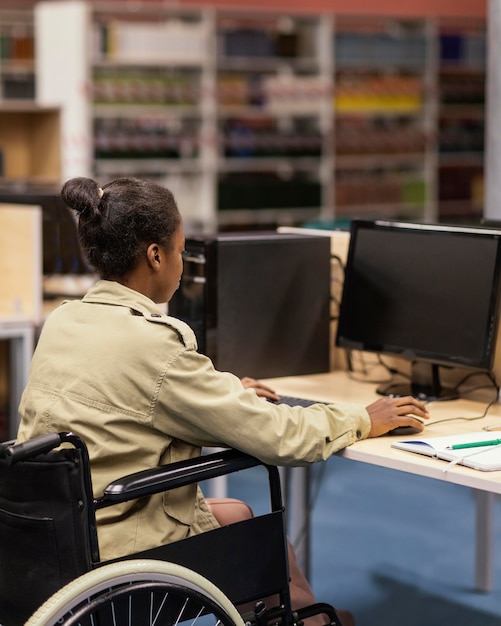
424	384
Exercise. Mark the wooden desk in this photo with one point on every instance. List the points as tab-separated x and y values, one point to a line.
338	386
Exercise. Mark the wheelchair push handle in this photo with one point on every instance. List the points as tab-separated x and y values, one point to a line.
33	447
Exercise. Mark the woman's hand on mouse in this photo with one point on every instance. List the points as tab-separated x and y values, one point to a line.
389	412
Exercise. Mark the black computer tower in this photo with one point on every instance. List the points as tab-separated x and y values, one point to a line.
259	303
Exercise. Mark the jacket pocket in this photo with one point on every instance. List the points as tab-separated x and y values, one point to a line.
180	504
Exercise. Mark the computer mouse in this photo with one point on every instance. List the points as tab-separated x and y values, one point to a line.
406	430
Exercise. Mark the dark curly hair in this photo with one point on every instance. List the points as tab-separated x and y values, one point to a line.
117	223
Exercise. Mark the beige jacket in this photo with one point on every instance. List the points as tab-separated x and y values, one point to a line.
128	379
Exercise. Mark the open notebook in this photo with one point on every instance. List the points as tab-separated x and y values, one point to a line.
485	458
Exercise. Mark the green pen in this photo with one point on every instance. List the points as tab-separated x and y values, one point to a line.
475	444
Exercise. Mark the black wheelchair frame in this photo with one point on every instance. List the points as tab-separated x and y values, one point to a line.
48	533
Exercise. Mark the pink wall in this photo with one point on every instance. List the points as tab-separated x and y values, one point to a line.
454	8
451	8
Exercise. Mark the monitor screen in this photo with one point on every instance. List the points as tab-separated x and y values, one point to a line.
426	293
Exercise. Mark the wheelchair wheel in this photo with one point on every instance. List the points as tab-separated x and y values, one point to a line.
141	591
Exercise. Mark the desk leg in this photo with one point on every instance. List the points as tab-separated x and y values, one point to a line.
298	502
21	354
484	539
217	487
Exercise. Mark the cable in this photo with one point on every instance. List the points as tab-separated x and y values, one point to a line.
335	257
339	284
464	418
489	404
472	374
392	370
456	389
364	374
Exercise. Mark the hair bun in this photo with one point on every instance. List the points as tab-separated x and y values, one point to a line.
82	195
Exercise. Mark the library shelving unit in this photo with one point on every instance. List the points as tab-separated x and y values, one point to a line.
461	119
229	110
384	118
152	101
265	118
273	117
17	72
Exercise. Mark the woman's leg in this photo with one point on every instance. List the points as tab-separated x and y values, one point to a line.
231	510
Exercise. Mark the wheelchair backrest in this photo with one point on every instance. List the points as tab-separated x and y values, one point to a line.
44	531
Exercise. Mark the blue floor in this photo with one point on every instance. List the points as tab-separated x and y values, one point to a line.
395	549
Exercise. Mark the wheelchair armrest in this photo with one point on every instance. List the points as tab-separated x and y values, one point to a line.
175	475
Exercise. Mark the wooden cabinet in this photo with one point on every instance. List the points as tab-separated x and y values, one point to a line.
30	143
29	133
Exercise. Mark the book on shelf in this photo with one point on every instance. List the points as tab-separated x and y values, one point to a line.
478	450
164	41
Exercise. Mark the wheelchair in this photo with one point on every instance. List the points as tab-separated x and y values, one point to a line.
51	572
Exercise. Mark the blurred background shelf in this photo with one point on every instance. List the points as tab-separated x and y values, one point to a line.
246	112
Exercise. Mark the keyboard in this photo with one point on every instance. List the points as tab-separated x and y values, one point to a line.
289	400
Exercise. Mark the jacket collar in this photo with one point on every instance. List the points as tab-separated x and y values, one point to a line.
113	293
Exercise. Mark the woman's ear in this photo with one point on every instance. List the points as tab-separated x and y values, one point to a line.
153	255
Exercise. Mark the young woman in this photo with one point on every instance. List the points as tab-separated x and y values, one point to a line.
126	377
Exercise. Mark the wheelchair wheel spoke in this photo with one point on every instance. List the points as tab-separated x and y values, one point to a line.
92	619
200	613
181	612
159	610
113	614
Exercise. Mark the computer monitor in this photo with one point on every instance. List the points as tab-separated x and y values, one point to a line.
426	293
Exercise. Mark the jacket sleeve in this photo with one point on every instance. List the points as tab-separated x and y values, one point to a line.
205	407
